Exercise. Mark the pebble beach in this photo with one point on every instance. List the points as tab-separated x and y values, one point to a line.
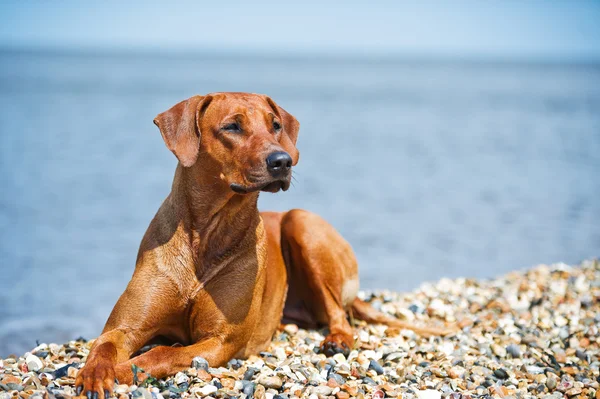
533	333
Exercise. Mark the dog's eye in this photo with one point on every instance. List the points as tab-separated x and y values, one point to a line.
276	125
232	127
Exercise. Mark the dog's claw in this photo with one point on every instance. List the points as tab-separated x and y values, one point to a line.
88	394
79	389
106	394
331	348
95	395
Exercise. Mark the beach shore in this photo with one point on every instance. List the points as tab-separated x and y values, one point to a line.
533	334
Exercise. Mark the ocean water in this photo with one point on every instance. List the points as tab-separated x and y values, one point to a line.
428	168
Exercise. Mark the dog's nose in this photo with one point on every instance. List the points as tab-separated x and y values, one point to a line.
279	163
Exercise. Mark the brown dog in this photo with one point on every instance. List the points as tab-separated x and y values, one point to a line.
214	274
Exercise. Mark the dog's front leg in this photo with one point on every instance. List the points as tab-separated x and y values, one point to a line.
163	361
137	317
98	375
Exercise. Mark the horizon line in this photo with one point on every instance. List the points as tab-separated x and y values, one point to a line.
299	53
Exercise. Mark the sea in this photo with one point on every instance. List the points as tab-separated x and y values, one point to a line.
429	167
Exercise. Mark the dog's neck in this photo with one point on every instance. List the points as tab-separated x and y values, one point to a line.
217	220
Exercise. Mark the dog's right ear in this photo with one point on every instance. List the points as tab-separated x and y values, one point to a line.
180	128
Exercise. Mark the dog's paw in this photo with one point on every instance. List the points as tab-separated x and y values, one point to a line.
336	343
95	381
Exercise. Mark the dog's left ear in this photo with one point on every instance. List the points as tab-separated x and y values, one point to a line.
180	128
291	126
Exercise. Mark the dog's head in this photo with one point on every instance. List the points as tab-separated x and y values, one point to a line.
251	139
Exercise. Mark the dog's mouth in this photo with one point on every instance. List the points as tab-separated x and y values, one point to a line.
271	187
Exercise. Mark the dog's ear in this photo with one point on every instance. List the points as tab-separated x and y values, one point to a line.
180	128
291	126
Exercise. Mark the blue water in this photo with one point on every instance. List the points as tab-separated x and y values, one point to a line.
428	168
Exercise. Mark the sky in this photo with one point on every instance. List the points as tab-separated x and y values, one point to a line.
508	28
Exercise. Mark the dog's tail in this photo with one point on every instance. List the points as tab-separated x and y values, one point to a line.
364	311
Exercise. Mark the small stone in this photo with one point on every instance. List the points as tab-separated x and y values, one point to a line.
208	389
323	390
342	395
582	355
72	372
248	388
181	378
234	364
429	394
498	350
456	372
339	358
337	378
145	393
228	383
14	387
11	379
416	308
394	356
34	363
63	371
199	363
374	365
560	356
501	391
271	382
121	388
501	374
204	375
249	373
514	350
260	392
369	380
291	329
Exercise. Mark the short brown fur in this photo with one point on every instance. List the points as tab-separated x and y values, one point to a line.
212	272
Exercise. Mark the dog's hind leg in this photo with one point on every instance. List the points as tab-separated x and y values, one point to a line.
322	275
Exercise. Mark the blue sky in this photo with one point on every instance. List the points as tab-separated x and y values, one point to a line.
507	28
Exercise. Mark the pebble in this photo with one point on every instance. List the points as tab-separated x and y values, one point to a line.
199	363
429	394
291	329
551	382
514	350
271	382
323	390
248	388
501	373
373	365
207	390
34	363
581	355
498	350
337	378
519	333
342	395
249	373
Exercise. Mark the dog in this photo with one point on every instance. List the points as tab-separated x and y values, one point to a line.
214	274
